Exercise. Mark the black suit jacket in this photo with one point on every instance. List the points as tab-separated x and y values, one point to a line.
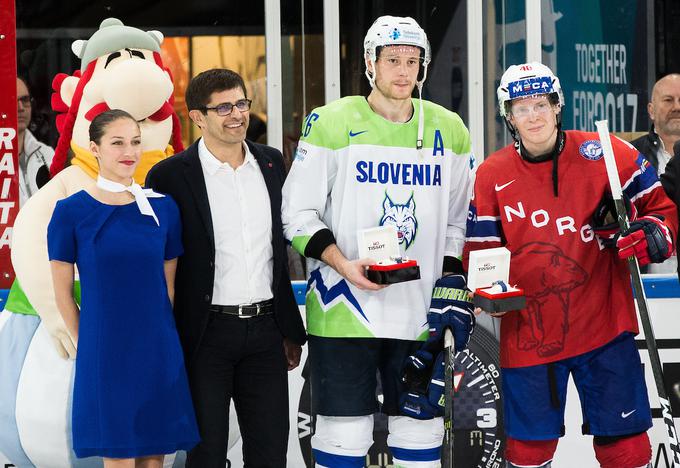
670	180
648	145
181	176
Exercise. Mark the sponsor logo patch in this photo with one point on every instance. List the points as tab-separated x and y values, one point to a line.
300	154
530	87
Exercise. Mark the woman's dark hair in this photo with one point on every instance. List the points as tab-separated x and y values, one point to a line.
99	123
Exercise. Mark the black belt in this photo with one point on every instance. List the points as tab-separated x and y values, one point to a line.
245	310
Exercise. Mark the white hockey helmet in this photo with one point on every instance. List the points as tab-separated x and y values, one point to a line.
396	30
527	80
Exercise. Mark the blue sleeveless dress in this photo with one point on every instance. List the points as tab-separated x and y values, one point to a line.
131	396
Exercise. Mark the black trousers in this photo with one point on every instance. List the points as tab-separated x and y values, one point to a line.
243	360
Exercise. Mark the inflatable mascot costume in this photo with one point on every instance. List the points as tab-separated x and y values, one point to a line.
121	68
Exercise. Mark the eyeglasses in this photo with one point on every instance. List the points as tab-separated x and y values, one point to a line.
226	108
522	112
25	101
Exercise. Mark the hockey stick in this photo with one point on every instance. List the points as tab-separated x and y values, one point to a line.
640	298
449	357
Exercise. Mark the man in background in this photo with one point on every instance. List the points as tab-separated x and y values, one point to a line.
34	157
657	145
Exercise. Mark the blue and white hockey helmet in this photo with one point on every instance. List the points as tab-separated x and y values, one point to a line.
527	80
395	31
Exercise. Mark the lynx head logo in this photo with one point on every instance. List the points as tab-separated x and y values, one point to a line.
402	217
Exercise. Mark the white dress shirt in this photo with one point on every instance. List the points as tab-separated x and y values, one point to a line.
242	224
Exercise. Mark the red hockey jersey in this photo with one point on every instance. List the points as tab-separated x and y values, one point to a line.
579	294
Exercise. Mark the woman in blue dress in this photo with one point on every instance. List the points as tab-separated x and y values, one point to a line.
131	401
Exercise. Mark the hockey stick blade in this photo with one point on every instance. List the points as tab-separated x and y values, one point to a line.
449	358
640	298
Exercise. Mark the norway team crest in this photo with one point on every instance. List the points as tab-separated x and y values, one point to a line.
591	149
402	217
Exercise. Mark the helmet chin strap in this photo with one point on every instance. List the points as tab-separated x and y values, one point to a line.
421	114
371	77
419	85
421	118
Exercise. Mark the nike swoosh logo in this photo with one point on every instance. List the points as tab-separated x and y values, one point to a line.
352	134
625	415
501	187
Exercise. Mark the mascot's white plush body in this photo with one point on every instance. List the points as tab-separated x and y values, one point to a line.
121	68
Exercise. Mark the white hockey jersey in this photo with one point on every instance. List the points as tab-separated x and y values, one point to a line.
354	170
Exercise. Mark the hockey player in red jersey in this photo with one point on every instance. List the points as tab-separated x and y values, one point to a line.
544	197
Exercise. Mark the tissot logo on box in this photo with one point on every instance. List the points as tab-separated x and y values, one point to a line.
487	267
376	246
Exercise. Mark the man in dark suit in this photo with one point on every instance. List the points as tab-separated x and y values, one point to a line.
657	145
236	314
670	180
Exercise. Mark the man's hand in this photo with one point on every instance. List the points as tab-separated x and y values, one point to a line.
353	271
417	370
293	352
478	310
604	222
648	239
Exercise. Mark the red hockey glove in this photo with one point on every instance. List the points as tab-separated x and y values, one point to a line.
648	239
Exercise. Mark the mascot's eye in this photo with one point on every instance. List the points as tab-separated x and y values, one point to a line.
111	58
136	53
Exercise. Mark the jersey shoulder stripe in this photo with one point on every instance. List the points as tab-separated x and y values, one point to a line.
351	121
482	228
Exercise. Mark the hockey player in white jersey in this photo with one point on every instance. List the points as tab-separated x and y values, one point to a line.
387	159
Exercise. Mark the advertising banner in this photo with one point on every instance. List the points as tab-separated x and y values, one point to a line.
597	49
9	188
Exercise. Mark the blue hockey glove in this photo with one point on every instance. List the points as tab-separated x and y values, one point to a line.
435	391
417	370
425	400
451	307
417	405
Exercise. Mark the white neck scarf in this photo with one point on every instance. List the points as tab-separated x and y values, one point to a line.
136	190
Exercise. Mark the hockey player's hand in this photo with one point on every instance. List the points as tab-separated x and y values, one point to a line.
424	380
354	271
478	310
604	222
648	239
418	370
451	307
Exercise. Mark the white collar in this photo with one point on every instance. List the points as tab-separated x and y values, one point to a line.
211	164
136	190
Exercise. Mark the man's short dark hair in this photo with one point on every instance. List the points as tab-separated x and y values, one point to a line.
205	83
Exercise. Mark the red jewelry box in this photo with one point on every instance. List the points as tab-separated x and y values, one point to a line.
392	273
504	301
